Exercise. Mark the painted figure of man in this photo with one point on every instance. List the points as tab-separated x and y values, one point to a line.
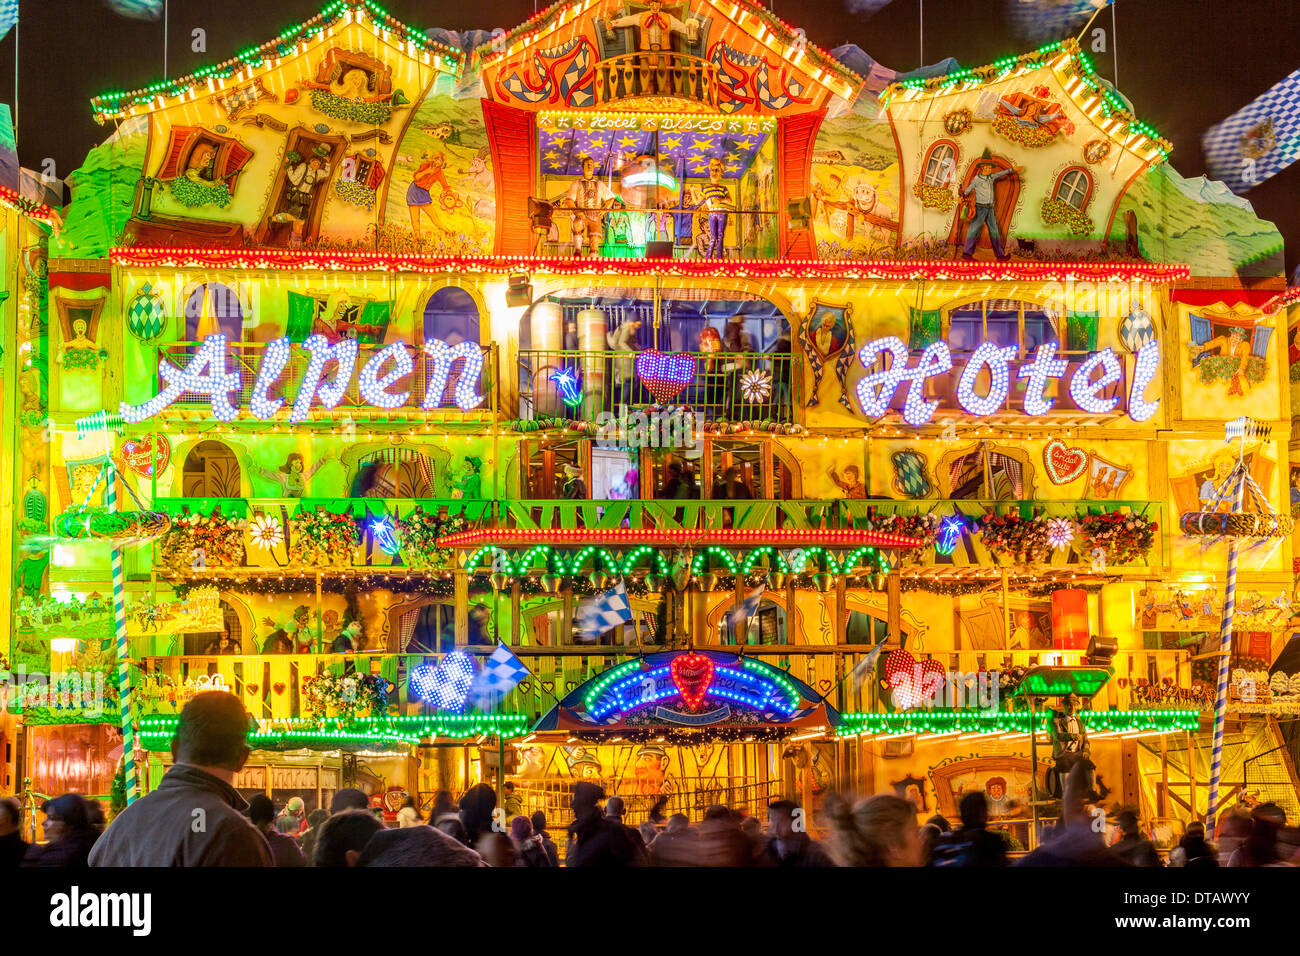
303	180
983	195
1070	743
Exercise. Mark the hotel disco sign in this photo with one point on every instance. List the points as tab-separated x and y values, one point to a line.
1092	378
206	375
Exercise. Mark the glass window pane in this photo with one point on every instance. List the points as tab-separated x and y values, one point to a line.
965	331
1039	330
1003	328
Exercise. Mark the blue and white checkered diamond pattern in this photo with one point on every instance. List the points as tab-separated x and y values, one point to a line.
606	610
498	676
1259	140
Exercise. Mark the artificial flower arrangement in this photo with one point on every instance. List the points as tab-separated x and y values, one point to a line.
419	532
322	539
198	541
346	695
1057	212
1018	539
934	197
922	526
1121	537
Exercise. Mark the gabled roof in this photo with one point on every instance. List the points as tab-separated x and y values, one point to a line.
243	65
1087	91
783	38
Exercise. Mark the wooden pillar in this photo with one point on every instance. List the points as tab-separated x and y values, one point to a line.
516	625
839	623
1131	784
742	630
768	466
1162	803
894	605
460	578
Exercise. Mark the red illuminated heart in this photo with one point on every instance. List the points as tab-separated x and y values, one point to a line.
692	673
278	688
911	682
144	455
1063	463
665	375
251	688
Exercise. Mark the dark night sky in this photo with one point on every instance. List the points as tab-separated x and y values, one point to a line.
1185	64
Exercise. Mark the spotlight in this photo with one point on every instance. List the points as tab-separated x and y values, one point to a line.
519	291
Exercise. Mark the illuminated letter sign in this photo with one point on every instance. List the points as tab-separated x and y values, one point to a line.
206	374
1092	379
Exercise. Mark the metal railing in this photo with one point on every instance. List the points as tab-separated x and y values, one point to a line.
246	359
734	386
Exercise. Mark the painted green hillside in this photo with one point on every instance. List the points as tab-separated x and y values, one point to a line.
1200	223
103	194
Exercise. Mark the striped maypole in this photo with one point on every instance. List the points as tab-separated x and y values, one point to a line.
1225	650
123	658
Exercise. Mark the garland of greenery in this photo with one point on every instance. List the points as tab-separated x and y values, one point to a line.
351	111
189	192
1121	537
221	538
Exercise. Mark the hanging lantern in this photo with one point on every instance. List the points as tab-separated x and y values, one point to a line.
824	581
1069	619
551	583
776	580
600	580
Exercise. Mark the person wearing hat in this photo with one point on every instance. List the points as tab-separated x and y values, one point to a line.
983	195
1133	846
1070	742
574	486
470	484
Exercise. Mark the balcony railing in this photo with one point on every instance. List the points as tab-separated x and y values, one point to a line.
246	358
271	684
735	386
657	73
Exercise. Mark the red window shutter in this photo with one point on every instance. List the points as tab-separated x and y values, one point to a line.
181	137
376	175
513	138
795	137
237	156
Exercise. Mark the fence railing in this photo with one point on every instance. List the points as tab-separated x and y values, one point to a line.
735	386
657	73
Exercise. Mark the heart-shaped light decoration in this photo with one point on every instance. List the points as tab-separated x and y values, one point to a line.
911	682
252	689
665	375
445	685
693	674
147	454
1063	462
278	687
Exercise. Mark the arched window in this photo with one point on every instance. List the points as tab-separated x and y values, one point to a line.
1074	187
211	470
940	164
213	307
451	316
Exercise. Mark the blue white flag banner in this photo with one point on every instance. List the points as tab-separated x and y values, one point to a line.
137	9
498	676
1259	140
8	16
604	611
746	609
1039	21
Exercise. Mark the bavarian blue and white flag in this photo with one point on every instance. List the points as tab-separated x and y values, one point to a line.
137	9
1042	20
864	668
606	610
1259	140
8	16
744	612
496	678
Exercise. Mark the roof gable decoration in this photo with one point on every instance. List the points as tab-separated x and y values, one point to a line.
1078	81
220	79
729	57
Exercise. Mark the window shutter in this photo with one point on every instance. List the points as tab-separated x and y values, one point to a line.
1259	341
181	137
1200	329
1081	332
925	329
237	156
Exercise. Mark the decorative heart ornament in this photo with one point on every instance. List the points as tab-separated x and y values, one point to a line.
144	455
1063	463
665	375
278	687
692	673
446	684
252	689
911	682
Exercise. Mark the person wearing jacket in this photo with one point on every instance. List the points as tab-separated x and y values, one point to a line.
68	832
162	828
284	848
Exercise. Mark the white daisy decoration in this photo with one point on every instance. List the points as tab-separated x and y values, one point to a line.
1060	533
756	386
265	532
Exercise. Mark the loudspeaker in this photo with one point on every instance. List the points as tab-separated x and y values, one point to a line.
798	211
519	291
1101	650
659	249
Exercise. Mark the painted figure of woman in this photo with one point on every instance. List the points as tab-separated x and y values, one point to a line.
292	477
418	196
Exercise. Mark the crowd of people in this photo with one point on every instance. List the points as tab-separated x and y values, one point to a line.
195	817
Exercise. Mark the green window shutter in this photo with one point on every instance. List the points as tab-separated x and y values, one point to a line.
926	328
1081	332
